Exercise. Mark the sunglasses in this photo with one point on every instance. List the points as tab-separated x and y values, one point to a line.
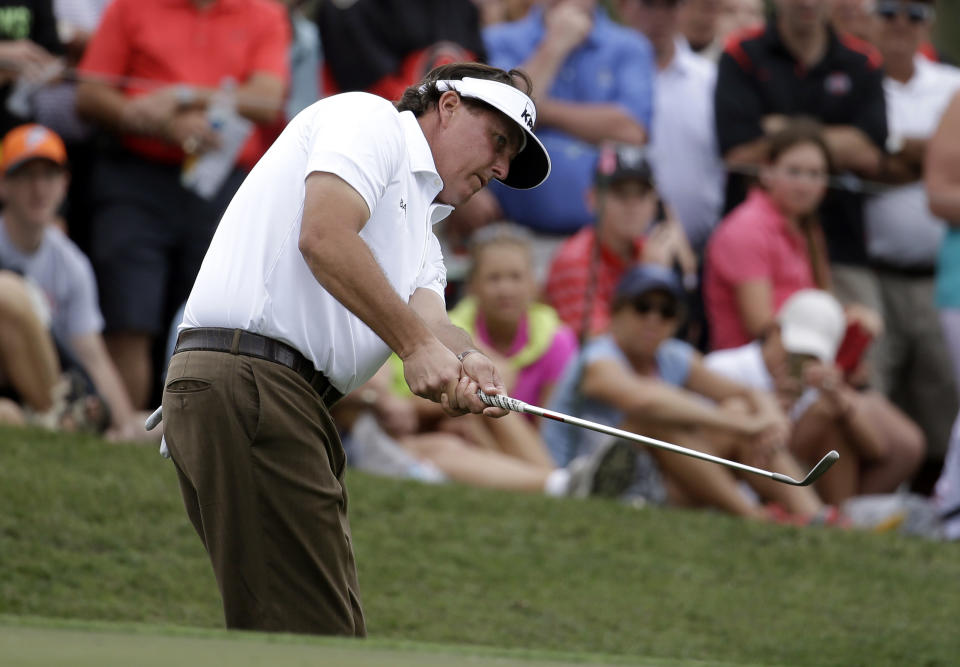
916	12
667	310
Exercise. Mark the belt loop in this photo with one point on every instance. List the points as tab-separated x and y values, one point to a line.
235	346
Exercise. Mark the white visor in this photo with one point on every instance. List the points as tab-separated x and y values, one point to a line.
531	166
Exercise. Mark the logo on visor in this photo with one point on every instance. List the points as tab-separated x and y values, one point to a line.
527	117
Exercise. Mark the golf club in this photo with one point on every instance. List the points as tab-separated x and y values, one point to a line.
514	405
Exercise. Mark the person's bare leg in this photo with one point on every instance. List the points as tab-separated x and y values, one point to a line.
802	500
904	447
815	433
130	352
27	353
10	413
515	436
467	464
698	482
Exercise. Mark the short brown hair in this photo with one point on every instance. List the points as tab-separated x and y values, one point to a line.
423	96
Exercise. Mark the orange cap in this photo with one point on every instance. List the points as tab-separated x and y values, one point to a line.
31	142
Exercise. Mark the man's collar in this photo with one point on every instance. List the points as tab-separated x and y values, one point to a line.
774	40
421	157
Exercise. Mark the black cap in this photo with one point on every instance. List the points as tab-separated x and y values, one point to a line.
643	278
623	162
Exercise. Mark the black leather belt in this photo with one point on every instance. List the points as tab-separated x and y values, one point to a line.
238	341
917	271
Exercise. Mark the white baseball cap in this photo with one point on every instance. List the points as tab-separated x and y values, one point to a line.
531	166
812	322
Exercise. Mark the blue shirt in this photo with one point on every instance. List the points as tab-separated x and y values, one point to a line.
615	65
566	442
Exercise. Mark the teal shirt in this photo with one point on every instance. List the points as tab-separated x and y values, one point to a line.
948	271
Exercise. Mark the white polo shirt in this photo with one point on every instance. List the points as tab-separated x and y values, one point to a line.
253	276
900	228
683	143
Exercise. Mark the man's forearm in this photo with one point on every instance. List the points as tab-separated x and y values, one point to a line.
593	123
343	264
851	149
103	104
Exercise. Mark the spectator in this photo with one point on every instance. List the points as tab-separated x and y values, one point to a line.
383	46
879	449
33	187
852	17
698	25
630	226
911	359
735	16
594	84
797	65
640	378
150	233
942	176
683	146
531	348
771	245
387	437
29	47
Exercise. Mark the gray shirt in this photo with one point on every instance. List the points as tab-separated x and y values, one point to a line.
64	275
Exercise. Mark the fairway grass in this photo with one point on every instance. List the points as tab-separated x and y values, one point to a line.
31	642
96	533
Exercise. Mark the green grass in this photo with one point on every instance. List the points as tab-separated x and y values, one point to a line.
95	531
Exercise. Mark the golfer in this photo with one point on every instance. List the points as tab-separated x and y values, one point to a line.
323	263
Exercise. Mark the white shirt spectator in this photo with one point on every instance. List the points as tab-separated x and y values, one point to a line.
683	144
73	15
64	276
901	231
385	157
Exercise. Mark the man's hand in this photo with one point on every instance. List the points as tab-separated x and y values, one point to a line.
23	57
433	372
150	113
481	373
191	131
567	26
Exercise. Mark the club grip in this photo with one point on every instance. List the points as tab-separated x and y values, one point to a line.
501	401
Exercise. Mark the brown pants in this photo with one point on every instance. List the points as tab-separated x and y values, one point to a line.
261	468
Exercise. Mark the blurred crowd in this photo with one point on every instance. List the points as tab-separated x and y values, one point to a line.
749	243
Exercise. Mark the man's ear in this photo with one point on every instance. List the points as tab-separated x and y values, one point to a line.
446	105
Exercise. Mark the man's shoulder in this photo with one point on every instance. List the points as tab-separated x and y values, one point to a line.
856	53
65	250
358	106
939	74
512	33
575	248
612	36
748	46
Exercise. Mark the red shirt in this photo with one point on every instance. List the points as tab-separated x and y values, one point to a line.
162	42
569	278
753	242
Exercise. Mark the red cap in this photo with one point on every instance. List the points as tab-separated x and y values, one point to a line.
31	142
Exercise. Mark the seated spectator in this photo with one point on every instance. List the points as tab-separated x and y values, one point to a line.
639	378
593	80
168	79
910	359
942	177
683	144
32	187
630	227
879	448
530	347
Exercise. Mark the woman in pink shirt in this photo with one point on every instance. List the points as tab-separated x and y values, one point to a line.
771	245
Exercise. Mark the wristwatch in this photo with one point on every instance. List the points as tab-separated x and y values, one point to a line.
463	354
